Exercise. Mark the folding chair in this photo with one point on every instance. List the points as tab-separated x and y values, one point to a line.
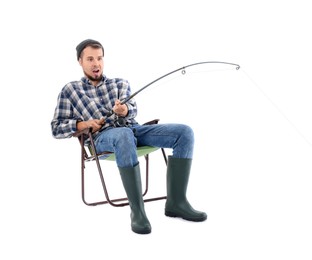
89	154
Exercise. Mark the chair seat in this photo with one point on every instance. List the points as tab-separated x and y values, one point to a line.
141	151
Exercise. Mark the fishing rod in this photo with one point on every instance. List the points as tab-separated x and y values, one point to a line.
182	69
176	70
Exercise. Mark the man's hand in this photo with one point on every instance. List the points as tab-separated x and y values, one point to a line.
96	124
120	109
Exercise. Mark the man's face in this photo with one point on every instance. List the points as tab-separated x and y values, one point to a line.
91	61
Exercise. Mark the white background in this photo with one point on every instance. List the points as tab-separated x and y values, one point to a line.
252	162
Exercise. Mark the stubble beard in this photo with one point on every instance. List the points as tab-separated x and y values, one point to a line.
91	78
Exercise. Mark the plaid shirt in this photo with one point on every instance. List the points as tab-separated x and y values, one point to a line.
81	101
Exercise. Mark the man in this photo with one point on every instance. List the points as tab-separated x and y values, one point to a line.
90	103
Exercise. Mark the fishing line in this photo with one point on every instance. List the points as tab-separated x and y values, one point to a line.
277	108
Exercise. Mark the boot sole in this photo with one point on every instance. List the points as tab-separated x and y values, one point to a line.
142	232
174	215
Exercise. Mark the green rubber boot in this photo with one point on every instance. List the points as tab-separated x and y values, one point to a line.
177	205
131	179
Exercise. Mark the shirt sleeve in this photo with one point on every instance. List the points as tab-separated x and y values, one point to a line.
124	92
63	124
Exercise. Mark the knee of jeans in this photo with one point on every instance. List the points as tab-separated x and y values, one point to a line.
187	133
126	137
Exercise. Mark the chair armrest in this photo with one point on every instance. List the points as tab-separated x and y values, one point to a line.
152	122
85	131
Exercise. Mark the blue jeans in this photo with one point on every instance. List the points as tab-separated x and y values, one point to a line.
124	140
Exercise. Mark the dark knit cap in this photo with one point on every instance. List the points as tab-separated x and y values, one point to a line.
89	42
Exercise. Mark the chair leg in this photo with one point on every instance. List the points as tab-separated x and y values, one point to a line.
146	157
147	178
108	200
165	156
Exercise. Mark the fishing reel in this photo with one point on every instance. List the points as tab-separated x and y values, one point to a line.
120	121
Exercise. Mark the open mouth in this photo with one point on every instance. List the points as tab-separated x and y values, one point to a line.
96	72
